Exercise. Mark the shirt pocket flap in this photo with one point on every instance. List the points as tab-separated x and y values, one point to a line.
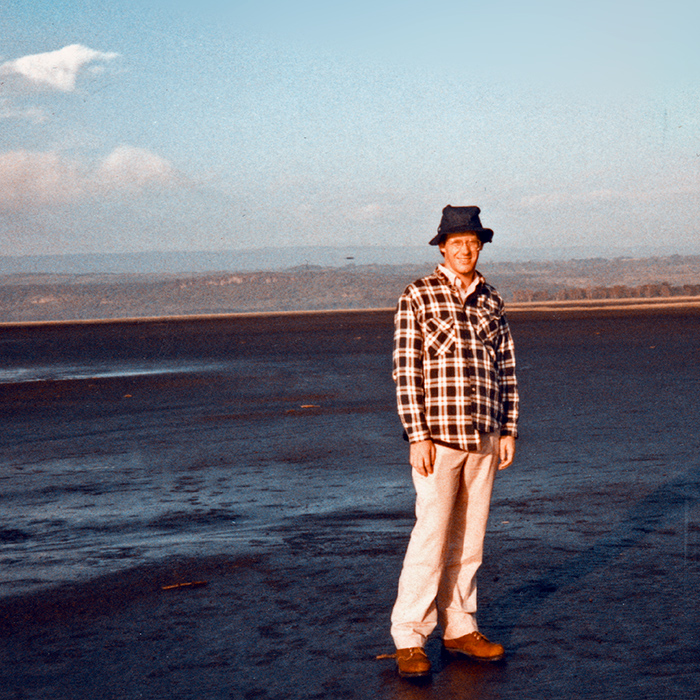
486	325
440	337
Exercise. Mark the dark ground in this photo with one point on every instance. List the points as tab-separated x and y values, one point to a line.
278	476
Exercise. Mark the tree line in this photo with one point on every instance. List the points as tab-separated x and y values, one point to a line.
617	291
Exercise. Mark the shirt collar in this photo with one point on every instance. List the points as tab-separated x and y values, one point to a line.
463	291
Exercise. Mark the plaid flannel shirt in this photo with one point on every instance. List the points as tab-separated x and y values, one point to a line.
454	364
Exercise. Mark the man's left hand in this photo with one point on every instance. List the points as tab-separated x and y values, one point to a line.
506	451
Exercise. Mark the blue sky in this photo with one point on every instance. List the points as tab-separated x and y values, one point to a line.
135	126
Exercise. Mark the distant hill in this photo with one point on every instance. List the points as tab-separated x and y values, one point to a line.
262	259
38	296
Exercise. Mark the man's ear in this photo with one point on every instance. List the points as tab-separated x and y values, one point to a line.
441	248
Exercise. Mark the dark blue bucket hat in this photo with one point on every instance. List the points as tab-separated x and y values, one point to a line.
461	220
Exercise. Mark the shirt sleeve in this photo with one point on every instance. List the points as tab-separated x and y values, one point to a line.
408	370
507	381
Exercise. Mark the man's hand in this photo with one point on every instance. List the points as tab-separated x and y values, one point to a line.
422	456
506	451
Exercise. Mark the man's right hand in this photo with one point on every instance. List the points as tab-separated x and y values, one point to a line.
422	456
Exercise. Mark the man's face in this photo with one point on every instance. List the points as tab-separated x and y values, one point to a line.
461	251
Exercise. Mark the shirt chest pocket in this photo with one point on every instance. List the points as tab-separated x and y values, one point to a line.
485	324
440	337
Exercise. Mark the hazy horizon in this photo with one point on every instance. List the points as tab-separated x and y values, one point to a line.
263	259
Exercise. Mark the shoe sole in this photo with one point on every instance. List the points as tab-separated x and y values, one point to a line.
424	674
458	652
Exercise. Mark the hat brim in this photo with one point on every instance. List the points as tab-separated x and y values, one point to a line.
485	235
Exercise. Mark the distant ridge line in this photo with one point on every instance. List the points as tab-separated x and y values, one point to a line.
282	258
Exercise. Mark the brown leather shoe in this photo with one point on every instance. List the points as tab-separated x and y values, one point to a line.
476	646
412	662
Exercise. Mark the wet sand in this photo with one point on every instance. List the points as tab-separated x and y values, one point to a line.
270	466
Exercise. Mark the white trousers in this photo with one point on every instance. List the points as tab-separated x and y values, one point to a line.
446	545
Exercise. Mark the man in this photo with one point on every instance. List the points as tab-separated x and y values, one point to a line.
454	369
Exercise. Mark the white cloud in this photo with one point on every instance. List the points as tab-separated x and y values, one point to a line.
30	180
55	69
131	167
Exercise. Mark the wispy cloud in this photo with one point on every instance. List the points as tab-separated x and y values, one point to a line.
551	200
554	200
30	179
10	111
57	70
36	179
368	212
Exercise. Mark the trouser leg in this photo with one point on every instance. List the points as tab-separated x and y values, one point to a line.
414	615
457	594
